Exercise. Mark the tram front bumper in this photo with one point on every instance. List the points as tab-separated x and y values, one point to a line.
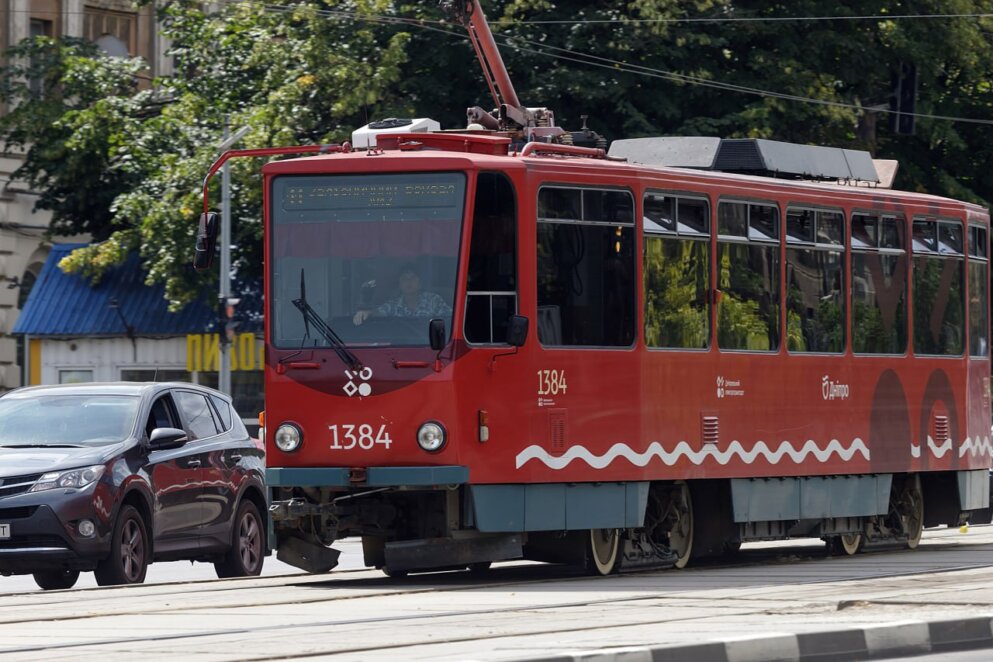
366	477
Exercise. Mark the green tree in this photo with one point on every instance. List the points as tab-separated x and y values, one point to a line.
125	162
122	157
74	112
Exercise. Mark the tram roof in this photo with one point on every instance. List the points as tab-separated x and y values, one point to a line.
458	151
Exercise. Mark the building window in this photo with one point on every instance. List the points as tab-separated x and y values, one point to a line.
586	289
113	31
39	28
75	376
42	28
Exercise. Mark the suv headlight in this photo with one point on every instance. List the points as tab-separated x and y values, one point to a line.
73	478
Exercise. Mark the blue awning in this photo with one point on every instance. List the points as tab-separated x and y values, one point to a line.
63	304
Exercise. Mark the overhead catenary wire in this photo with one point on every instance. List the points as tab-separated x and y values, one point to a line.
541	49
563	54
756	19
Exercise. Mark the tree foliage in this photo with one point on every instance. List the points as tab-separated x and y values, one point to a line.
122	157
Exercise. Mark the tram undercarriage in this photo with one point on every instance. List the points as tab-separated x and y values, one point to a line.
406	529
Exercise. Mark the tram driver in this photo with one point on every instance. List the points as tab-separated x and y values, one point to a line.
412	301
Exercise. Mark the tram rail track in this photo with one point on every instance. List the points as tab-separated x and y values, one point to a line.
371	579
794	574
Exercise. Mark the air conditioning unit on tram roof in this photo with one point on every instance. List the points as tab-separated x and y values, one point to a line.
365	137
768	158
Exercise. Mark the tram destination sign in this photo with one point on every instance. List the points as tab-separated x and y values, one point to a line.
411	196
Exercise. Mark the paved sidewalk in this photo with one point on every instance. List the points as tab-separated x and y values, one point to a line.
883	618
871	642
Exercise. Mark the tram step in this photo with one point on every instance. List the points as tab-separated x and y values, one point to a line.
428	553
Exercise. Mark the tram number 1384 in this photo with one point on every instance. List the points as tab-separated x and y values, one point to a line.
551	382
347	436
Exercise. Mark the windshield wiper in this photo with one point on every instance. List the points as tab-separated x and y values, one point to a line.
310	316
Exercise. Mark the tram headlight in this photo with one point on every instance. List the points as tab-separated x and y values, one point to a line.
288	437
431	436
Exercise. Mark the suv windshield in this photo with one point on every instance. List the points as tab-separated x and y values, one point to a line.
374	256
59	420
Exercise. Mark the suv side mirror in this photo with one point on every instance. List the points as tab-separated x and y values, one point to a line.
436	334
517	330
166	438
206	240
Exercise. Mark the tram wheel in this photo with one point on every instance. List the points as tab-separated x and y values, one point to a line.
910	508
601	557
847	544
679	513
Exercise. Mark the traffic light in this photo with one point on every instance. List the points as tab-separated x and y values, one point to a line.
902	103
227	323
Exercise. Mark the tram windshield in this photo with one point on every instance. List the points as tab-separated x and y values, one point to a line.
374	256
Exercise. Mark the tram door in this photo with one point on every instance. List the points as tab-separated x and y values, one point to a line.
491	293
492	299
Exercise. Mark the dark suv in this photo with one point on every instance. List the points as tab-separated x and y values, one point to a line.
109	477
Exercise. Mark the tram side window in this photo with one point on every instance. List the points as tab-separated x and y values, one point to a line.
586	294
938	287
677	271
879	284
748	276
491	296
815	300
979	282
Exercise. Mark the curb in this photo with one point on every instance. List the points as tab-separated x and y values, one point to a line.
872	642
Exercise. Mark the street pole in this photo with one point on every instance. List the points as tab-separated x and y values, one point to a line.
227	303
224	370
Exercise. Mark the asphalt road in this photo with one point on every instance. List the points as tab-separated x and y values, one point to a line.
764	600
184	571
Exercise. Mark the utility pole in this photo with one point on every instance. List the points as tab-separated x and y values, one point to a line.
227	302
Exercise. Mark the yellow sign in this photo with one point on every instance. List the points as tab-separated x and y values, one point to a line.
203	352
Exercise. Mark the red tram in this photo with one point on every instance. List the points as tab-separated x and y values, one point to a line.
496	344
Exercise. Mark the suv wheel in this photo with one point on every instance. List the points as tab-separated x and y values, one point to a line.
51	580
244	557
129	551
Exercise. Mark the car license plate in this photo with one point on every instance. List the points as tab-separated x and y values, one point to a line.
4	531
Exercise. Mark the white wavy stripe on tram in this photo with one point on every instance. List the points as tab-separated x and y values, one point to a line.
976	447
683	449
936	450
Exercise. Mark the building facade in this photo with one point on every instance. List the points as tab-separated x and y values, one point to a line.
119	29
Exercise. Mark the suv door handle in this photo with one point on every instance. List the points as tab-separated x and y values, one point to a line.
193	464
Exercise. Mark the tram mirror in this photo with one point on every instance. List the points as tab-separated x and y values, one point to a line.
206	240
517	330
436	333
